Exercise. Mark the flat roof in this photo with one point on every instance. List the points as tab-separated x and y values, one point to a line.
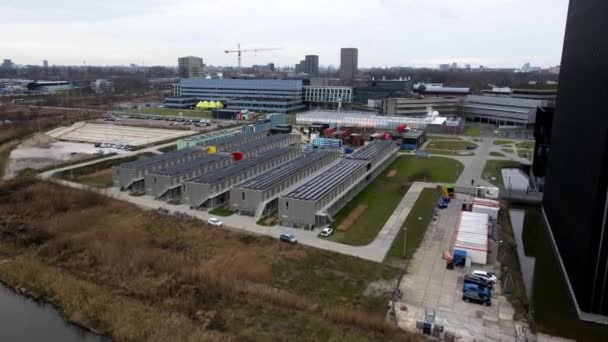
372	149
268	180
323	183
248	146
142	163
238	167
191	164
413	134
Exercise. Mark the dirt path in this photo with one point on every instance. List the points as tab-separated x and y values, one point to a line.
352	217
392	173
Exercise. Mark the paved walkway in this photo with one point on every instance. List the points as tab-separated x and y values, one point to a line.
429	285
375	251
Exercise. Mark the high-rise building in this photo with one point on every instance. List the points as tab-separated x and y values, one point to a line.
349	63
45	63
575	203
190	67
7	64
312	64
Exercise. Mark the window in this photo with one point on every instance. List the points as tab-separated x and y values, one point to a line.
286	205
243	195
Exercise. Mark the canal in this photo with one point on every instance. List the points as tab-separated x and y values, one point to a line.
23	319
552	309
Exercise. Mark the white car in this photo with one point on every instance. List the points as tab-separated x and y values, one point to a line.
214	222
489	276
325	232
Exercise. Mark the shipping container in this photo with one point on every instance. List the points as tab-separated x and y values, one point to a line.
236	156
211	149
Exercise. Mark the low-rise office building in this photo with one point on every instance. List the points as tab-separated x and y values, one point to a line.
313	203
259	195
412	140
327	94
413	106
167	183
213	189
501	110
208	138
262	145
266	95
130	176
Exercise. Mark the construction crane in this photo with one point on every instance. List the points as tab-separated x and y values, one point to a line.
239	51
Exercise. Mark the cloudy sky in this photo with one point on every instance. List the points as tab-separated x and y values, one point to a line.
387	32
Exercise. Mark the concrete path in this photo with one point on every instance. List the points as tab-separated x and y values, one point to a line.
375	251
393	225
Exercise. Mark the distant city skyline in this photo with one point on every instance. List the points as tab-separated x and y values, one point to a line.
387	32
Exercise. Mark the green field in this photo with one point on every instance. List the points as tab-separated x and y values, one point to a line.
503	142
221	211
496	154
416	224
527	145
524	153
174	112
472	131
383	195
450	153
441	137
507	150
493	168
451	145
169	148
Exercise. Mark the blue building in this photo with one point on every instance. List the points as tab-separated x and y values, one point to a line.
260	95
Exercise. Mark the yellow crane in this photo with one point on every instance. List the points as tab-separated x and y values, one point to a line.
239	51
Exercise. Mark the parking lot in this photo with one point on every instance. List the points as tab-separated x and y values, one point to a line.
429	285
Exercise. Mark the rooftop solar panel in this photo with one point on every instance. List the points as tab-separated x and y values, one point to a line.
192	164
372	149
142	163
323	183
221	174
268	180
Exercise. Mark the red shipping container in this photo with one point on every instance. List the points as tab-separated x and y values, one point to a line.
236	156
328	131
401	128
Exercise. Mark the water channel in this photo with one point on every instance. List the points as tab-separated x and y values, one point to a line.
23	319
548	297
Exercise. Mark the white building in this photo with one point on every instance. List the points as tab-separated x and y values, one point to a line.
327	94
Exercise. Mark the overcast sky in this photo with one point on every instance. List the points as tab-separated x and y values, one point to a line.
496	33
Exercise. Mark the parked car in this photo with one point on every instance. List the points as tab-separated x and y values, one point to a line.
473	279
486	275
325	232
214	222
289	238
476	297
475	287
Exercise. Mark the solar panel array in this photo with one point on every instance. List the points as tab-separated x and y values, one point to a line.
323	183
371	150
142	163
248	146
191	164
221	174
241	137
270	179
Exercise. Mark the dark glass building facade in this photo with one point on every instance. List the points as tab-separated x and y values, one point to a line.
575	200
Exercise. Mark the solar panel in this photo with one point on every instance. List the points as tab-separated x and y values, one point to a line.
280	174
372	149
241	166
323	183
192	164
143	163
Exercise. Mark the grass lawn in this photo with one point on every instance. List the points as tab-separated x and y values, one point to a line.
449	153
508	150
528	145
503	142
451	145
493	168
496	154
415	227
175	112
5	152
384	194
441	137
221	211
472	131
525	154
